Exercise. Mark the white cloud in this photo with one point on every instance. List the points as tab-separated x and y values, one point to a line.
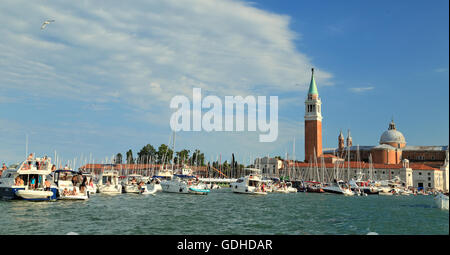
361	90
225	47
441	70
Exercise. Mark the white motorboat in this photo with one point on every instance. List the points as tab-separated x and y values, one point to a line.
290	188
133	184
442	201
161	175
250	184
31	180
184	184
109	182
338	188
67	189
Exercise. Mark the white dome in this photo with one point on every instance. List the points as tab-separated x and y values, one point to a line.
392	136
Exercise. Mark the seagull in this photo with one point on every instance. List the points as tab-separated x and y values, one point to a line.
46	22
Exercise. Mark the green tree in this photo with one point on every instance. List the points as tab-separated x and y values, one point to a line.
164	154
148	151
198	158
130	159
118	158
182	156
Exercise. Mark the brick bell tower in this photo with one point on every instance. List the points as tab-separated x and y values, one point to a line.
313	122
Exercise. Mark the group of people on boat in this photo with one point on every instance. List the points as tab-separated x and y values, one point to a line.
73	192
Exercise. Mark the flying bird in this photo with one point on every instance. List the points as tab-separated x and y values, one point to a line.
46	22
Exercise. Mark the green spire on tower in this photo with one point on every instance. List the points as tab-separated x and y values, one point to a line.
312	85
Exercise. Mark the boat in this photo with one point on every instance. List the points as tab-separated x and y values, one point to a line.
66	188
133	184
30	180
441	200
109	182
250	184
280	187
313	187
338	187
198	191
161	175
184	184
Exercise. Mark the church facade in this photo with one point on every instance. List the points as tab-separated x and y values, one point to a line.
418	166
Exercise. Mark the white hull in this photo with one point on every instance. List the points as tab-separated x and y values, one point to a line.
149	192
131	189
181	187
92	190
243	189
338	190
284	191
34	194
116	189
156	187
292	190
174	187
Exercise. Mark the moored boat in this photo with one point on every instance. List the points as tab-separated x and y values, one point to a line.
71	185
30	180
251	184
109	182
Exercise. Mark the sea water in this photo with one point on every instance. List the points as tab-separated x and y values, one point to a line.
223	212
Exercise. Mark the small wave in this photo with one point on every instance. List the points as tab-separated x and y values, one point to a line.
372	234
72	233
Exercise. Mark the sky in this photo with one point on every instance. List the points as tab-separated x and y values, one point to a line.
99	80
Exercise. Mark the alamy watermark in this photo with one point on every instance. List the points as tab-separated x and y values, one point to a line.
212	120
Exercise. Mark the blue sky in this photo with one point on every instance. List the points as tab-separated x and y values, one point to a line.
99	80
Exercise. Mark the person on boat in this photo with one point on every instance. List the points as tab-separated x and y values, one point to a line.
17	181
133	181
83	185
65	192
53	168
263	187
47	185
21	182
4	166
66	168
74	181
91	183
39	181
25	166
30	157
33	183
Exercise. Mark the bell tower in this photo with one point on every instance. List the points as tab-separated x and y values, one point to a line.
313	122
341	141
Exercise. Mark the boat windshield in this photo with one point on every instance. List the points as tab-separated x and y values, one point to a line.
107	179
253	183
65	176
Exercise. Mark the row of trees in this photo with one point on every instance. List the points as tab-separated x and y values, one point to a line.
164	155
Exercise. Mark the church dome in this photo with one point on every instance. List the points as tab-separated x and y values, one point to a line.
392	136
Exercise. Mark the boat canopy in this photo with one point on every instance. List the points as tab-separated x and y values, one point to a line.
67	171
